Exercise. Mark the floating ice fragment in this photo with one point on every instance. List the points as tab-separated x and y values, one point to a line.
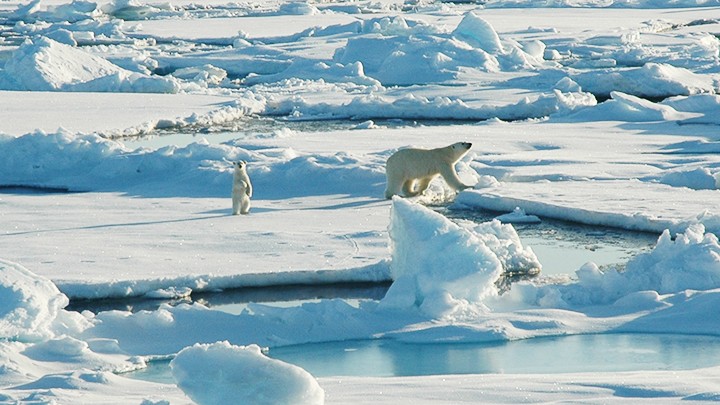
170	293
369	124
221	373
207	74
518	216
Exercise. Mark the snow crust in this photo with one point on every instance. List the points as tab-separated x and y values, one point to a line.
601	113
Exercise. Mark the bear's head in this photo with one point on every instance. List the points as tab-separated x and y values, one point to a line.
461	146
459	149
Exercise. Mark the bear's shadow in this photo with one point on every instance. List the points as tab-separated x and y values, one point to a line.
257	210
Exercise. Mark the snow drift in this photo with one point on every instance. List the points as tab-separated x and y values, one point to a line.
46	65
29	304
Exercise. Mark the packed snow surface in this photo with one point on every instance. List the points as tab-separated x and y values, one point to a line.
119	121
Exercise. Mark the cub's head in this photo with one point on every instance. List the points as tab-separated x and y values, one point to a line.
240	165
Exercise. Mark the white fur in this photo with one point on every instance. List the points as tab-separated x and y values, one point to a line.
410	171
242	189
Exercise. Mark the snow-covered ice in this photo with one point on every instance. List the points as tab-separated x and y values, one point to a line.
119	120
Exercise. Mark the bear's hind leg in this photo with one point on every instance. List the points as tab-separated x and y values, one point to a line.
409	188
245	206
423	184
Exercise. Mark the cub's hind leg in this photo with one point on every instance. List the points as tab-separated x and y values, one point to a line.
245	206
235	205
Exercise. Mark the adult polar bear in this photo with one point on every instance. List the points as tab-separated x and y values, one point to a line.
411	170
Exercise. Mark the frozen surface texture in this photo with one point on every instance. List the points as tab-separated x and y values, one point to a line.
119	120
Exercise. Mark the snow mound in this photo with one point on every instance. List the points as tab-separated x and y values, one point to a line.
29	304
222	373
690	261
444	268
90	162
313	70
426	59
63	12
504	242
298	8
436	57
700	103
46	65
625	107
413	106
653	80
478	33
696	179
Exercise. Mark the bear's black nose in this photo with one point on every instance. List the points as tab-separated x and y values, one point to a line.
468	145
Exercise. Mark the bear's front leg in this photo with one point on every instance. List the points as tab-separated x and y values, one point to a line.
452	179
393	187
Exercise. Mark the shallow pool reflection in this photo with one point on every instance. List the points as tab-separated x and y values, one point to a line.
566	354
550	355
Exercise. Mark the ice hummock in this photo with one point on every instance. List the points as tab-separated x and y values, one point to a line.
441	267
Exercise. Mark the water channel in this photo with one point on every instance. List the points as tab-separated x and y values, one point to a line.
561	247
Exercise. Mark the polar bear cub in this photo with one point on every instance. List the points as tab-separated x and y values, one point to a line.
411	170
242	189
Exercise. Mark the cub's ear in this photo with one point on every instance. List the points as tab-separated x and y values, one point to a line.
244	162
